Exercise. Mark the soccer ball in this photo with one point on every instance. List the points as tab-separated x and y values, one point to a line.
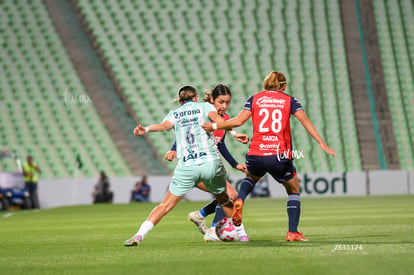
226	231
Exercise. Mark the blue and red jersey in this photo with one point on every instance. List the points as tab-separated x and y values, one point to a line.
271	112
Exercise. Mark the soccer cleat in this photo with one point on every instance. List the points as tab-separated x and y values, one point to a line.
244	239
134	241
242	233
237	212
295	236
199	221
211	235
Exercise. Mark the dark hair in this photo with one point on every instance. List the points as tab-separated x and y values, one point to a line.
103	175
217	91
186	92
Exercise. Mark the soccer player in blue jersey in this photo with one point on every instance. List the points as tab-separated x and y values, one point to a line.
270	150
220	97
198	159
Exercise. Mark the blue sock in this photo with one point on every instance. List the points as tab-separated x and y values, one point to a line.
219	215
293	211
246	186
208	209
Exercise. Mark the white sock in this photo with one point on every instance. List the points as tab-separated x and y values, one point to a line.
145	228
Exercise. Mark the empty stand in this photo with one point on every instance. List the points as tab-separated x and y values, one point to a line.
156	47
395	28
40	114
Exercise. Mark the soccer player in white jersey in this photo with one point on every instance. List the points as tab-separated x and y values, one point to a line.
198	158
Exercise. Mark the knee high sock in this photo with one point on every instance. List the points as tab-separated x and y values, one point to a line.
293	211
219	215
208	209
246	186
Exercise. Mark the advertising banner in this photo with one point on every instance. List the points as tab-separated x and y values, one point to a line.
323	184
59	192
388	182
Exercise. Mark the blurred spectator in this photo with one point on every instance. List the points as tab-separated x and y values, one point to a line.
102	192
31	176
142	191
261	189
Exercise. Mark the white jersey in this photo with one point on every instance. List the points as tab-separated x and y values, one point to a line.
194	144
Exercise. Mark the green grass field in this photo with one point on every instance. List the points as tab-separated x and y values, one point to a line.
361	235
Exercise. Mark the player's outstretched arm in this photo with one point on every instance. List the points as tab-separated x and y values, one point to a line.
164	126
214	116
308	125
243	116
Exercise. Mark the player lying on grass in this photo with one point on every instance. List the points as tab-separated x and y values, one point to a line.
198	158
270	150
220	97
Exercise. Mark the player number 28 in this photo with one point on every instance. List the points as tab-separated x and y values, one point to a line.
276	118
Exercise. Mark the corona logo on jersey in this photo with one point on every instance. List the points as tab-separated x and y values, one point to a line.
323	185
186	113
186	118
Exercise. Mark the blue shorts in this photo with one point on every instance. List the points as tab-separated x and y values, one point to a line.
279	168
212	174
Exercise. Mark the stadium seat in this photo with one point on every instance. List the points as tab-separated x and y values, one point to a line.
38	79
395	25
212	46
